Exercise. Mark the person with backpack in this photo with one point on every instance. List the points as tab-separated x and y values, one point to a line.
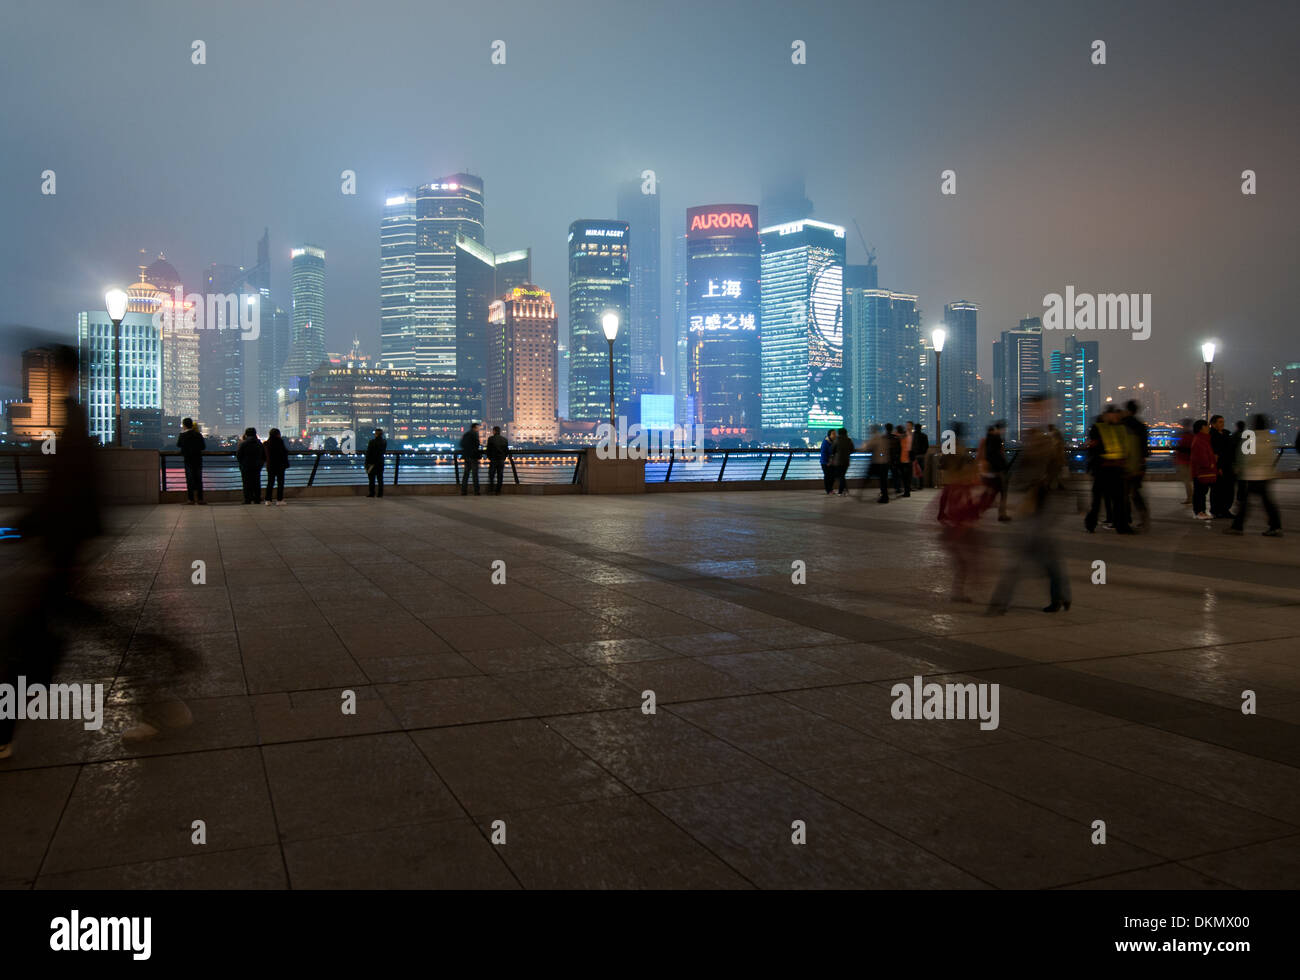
191	444
251	457
277	462
1110	442
375	449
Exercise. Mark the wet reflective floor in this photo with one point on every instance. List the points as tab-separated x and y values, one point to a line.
690	690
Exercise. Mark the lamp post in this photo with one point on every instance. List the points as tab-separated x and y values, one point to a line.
609	323
115	303
1207	354
937	337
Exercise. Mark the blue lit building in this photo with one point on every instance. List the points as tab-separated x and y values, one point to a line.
882	356
803	329
599	283
958	389
141	368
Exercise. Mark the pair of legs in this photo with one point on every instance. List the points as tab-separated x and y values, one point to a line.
1199	493
1039	549
496	474
252	485
376	478
828	477
1223	495
903	479
1136	500
1270	508
194	481
275	480
471	468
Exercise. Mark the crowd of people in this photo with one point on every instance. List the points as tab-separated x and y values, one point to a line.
1221	471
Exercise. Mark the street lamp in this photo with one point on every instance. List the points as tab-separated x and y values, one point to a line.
609	323
1207	355
115	303
937	337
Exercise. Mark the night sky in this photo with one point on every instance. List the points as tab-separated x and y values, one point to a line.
1123	177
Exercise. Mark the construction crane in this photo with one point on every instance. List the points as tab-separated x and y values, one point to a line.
869	249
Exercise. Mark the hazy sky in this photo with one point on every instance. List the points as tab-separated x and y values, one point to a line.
1117	178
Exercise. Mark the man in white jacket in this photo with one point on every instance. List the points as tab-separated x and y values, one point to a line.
1257	468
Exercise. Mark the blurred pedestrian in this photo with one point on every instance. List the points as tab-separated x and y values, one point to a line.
277	462
251	456
878	447
1040	512
992	458
1183	458
1138	450
962	501
1257	470
898	462
191	444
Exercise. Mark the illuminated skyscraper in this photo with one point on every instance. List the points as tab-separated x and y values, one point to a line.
599	283
307	342
641	212
141	366
180	342
482	277
1017	374
723	319
417	273
522	395
803	329
882	356
959	395
43	407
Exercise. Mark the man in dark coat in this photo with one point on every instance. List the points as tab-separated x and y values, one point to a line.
375	463
251	456
497	449
472	451
191	444
920	447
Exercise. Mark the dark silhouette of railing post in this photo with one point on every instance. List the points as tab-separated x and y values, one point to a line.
311	480
726	454
397	465
765	466
786	469
455	462
18	473
513	472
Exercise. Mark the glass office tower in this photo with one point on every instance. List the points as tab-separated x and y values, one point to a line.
599	283
803	330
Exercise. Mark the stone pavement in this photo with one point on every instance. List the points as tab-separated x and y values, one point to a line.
522	702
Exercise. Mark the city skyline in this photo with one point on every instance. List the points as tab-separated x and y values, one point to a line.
1012	233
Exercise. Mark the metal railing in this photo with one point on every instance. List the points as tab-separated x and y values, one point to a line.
26	471
332	468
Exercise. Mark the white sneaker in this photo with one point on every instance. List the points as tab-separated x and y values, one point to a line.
1202	516
266	503
279	503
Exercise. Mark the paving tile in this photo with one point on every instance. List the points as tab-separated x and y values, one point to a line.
513	765
329	787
